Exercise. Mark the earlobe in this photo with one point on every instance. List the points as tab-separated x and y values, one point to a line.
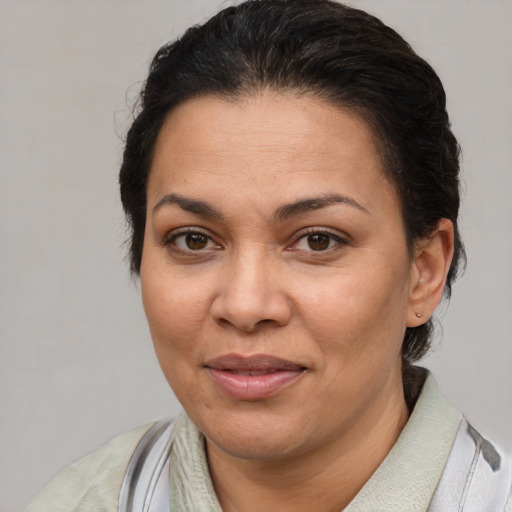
430	266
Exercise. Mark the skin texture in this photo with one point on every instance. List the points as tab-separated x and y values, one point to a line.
248	282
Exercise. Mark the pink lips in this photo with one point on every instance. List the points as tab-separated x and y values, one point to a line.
252	378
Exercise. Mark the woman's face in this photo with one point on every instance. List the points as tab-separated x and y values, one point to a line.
275	274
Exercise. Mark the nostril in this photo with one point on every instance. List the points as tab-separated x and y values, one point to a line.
248	307
246	326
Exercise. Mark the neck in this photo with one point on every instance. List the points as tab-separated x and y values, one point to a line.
325	479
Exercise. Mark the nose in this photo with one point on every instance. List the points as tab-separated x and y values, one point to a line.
251	295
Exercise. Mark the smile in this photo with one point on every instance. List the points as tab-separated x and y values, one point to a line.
253	378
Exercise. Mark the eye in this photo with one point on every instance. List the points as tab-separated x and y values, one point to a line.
188	241
318	241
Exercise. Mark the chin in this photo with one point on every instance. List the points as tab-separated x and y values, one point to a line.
265	447
254	433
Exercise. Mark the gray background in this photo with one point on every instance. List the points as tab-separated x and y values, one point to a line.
77	365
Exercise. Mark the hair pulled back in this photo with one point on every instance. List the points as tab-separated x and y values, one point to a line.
320	48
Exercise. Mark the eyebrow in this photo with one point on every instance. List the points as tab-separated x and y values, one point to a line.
285	212
194	206
309	204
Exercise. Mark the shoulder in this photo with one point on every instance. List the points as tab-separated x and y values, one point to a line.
477	466
91	483
508	506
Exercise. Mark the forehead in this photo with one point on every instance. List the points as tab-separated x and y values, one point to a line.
264	141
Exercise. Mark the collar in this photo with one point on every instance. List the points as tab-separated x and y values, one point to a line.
408	476
404	482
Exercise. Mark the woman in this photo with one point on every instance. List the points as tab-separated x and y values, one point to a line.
292	186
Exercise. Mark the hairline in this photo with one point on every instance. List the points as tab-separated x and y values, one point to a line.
322	94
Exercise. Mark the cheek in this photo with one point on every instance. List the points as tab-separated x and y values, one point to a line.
175	319
175	309
361	315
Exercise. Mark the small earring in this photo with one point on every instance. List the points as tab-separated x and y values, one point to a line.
419	315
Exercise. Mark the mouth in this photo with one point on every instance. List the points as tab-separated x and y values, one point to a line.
253	378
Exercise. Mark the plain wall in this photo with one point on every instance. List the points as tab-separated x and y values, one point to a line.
77	365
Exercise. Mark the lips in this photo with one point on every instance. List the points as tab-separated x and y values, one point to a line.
253	378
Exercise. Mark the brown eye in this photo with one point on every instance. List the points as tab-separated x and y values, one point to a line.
196	241
319	241
191	241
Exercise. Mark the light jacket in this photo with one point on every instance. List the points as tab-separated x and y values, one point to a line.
406	480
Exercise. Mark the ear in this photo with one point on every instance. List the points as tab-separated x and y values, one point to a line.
430	266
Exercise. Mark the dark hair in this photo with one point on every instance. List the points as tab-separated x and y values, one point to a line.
320	48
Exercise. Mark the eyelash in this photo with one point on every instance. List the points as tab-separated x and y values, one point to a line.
331	236
170	241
